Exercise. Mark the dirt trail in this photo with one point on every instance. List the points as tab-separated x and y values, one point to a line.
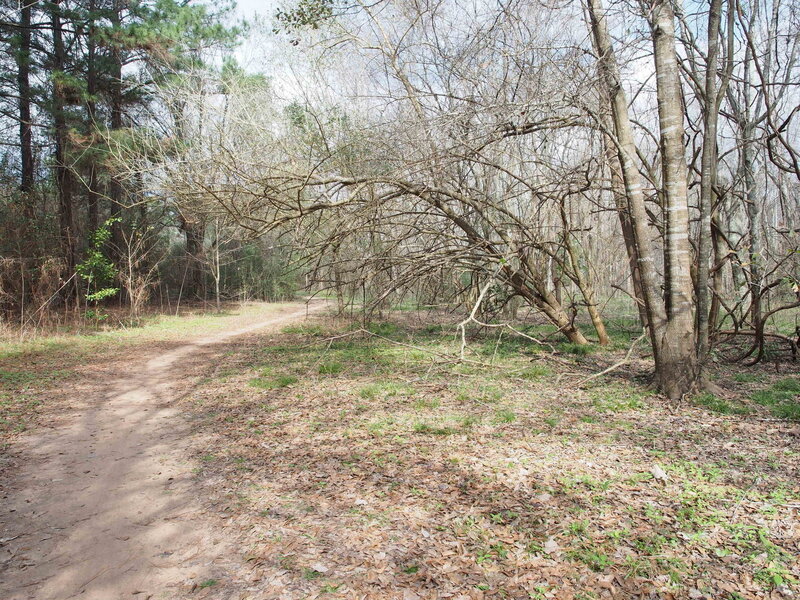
104	507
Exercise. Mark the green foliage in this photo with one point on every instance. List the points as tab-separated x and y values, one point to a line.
774	574
96	269
173	30
257	272
306	13
578	528
594	559
311	574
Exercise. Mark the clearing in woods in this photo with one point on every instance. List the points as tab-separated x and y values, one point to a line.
315	459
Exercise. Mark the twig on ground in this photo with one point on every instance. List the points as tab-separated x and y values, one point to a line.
616	365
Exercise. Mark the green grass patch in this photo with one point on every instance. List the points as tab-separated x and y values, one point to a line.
331	368
383	329
477	392
385	389
468	421
720	405
273	383
311	574
576	349
427	403
432	429
534	372
782	398
308	329
20	379
507	347
505	416
618	398
747	377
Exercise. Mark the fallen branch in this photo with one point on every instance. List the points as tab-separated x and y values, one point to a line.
616	365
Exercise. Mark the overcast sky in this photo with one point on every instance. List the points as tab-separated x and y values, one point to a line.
247	8
251	53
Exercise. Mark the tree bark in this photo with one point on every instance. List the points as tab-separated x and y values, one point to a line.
677	372
64	178
194	232
91	113
585	287
708	177
623	211
670	322
23	58
634	192
115	189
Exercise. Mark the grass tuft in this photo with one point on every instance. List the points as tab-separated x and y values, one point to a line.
782	398
273	383
720	405
331	368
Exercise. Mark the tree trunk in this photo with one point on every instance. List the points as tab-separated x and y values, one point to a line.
91	113
535	292
585	287
716	277
678	369
23	58
708	172
628	237
626	152
194	232
670	323
115	189
753	204
64	179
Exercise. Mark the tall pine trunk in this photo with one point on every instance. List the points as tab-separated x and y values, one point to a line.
64	178
23	59
115	189
91	114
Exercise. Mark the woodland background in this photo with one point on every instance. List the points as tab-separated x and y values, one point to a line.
520	162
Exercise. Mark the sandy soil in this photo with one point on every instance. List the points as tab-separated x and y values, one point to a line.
103	505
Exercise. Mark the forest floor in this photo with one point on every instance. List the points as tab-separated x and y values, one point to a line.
320	460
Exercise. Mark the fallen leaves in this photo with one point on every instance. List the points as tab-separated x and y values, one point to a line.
348	487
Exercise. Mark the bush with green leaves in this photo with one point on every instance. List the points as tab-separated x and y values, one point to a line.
97	270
